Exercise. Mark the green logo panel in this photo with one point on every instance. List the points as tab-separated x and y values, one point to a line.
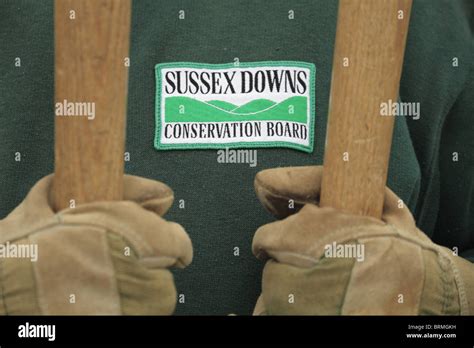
259	104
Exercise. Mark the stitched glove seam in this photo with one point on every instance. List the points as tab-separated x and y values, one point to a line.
297	198
114	268
2	290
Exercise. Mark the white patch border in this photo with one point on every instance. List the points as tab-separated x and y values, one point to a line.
237	144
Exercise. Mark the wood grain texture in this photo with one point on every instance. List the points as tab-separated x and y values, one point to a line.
90	52
371	35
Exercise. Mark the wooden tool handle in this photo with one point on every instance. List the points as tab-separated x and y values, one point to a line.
368	57
91	48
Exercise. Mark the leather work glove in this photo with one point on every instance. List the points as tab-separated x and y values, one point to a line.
323	261
97	258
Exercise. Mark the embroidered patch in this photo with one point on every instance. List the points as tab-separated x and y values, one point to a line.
258	104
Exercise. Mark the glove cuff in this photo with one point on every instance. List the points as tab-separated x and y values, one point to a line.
464	275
